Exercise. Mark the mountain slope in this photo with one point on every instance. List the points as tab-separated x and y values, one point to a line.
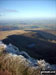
13	61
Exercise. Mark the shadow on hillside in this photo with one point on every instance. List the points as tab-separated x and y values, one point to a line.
35	47
43	35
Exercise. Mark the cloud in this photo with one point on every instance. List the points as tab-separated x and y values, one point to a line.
8	10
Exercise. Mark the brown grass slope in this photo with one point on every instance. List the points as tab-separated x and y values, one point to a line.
15	65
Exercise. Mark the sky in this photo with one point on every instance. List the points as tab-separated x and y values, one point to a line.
27	9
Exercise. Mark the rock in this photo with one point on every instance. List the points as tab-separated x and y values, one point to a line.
43	65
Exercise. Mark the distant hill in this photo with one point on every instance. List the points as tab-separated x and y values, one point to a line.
6	28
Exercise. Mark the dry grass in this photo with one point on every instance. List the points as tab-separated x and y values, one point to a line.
4	72
17	65
4	34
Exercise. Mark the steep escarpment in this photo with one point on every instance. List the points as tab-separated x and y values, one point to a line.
17	62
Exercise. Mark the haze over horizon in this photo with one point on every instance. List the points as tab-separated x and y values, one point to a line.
27	9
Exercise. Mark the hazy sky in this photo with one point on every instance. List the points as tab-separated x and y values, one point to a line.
25	9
